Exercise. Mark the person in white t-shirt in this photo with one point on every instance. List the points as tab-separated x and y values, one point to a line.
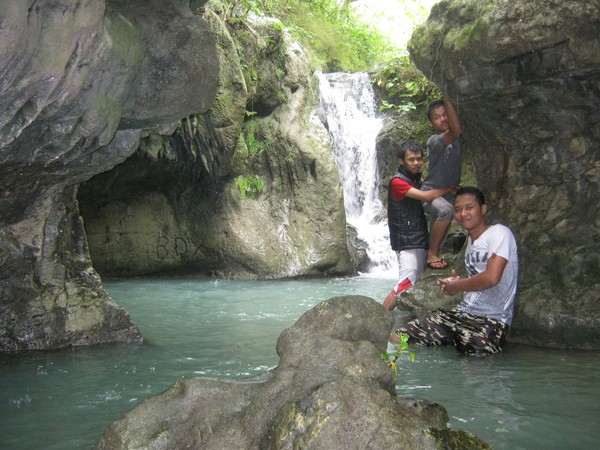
479	324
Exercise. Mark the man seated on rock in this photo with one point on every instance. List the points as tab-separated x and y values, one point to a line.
409	237
479	324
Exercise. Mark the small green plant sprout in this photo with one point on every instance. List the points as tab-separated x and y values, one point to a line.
407	106
401	349
250	186
279	73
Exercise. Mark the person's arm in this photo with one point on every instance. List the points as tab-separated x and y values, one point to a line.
428	196
490	277
454	128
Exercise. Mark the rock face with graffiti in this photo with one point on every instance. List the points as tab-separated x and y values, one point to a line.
218	195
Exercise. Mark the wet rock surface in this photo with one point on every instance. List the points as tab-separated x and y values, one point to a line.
81	82
331	389
525	77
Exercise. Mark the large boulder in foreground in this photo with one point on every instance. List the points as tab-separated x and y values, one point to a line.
331	390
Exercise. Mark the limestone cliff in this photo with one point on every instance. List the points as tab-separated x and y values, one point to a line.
526	79
80	81
247	189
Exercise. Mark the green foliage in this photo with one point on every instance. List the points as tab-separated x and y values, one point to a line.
403	85
342	41
401	349
250	73
407	106
235	11
250	186
279	73
282	96
254	143
330	28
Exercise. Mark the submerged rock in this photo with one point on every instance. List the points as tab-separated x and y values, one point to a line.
331	390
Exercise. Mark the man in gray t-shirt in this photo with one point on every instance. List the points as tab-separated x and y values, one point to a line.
443	149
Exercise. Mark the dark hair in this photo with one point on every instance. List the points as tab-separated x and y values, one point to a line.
435	104
470	190
409	145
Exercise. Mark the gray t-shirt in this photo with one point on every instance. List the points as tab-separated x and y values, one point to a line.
444	163
496	302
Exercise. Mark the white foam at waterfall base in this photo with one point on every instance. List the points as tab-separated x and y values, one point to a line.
349	105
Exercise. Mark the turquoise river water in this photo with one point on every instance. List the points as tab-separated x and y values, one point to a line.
524	398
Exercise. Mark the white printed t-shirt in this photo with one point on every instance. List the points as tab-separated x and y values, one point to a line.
496	302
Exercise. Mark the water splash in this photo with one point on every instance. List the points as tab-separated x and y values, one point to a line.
348	102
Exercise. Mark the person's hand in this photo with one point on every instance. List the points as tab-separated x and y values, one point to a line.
448	285
454	189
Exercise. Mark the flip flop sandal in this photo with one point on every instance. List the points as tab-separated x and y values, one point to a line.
440	264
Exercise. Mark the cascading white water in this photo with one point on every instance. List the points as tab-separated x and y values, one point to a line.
348	102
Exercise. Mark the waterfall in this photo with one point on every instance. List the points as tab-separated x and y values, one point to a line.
348	102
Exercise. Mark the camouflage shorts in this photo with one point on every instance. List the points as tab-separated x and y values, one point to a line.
471	335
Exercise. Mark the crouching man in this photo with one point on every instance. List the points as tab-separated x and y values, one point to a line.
479	324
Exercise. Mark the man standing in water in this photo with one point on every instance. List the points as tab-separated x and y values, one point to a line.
444	170
406	218
479	324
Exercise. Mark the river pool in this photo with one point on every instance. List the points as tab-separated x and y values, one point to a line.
523	398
